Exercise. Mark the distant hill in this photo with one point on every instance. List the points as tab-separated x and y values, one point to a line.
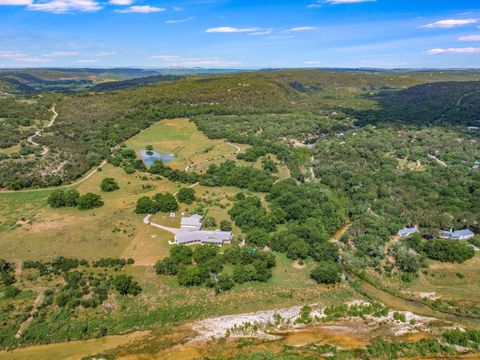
450	103
125	84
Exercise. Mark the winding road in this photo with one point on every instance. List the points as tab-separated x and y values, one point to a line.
175	231
40	132
78	182
457	104
91	173
237	150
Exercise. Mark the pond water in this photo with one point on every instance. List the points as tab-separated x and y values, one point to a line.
150	159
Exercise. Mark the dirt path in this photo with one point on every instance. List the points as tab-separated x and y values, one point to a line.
38	301
40	132
237	150
393	240
78	182
175	231
339	233
18	269
440	162
458	103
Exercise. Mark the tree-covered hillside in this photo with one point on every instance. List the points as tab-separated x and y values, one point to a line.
267	109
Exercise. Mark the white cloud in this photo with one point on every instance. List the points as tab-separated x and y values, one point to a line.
15	2
105	53
175	60
64	6
336	2
230	29
313	62
262	32
469	38
86	61
20	57
166	58
57	54
450	23
301	28
143	9
467	50
179	21
121	2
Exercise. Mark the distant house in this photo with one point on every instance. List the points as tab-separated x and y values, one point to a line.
406	232
457	235
471	128
192	223
216	237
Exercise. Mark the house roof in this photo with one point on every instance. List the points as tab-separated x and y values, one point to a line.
213	237
195	220
407	231
458	233
464	232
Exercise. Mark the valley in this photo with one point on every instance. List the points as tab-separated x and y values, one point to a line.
312	225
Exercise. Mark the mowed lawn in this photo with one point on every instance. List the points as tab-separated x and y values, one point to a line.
30	229
91	234
181	138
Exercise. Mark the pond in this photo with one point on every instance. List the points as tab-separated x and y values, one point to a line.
149	157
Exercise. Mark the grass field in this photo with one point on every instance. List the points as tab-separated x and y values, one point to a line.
457	282
181	138
30	229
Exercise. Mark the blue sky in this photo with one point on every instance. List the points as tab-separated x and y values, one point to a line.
240	34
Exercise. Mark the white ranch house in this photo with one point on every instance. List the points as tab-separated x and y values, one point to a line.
464	234
191	234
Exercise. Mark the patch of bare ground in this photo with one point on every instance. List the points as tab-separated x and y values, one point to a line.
51	224
296	265
23	326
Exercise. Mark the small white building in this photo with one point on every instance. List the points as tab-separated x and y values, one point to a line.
407	232
192	223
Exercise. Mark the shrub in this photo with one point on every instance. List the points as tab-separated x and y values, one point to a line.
326	273
89	201
325	251
407	261
189	276
186	195
224	283
181	254
166	266
209	222
11	292
165	202
126	285
449	251
298	250
225	225
61	198
145	205
399	316
203	253
109	184
258	237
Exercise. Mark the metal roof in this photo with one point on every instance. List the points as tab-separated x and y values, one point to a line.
458	233
213	237
195	220
407	231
